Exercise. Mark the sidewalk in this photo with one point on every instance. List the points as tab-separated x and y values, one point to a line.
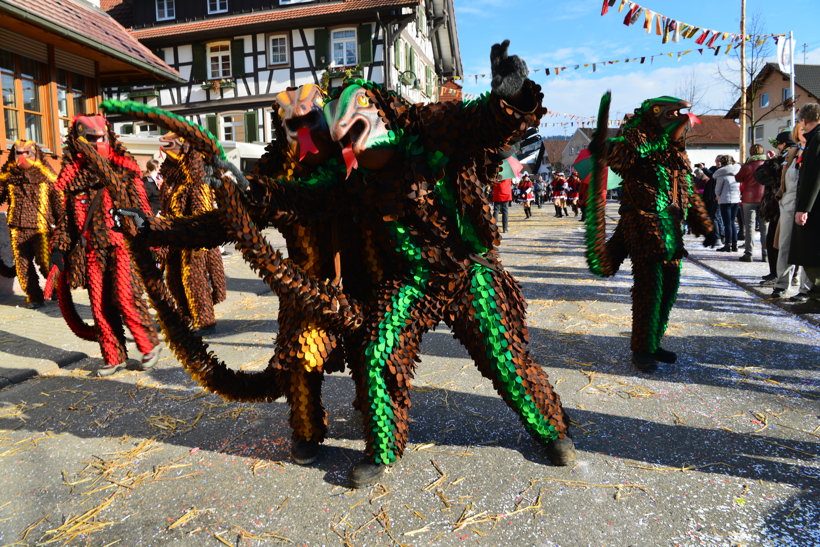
744	274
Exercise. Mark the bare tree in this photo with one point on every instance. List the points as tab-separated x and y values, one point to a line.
756	54
690	89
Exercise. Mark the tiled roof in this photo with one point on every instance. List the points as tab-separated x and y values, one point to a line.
554	148
81	22
269	16
714	130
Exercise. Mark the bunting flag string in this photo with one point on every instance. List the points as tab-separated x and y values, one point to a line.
598	65
672	30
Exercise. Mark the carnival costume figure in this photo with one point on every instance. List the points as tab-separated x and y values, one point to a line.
658	196
195	277
292	191
27	183
91	254
421	174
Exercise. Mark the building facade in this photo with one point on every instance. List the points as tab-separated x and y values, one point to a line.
236	55
769	103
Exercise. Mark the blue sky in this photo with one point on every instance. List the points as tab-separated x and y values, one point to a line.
549	34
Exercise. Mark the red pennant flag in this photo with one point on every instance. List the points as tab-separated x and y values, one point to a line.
632	11
605	7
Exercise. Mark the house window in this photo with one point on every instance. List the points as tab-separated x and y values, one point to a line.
166	9
787	94
278	50
147	129
233	127
343	47
217	6
422	20
756	133
764	100
219	60
72	98
22	104
228	128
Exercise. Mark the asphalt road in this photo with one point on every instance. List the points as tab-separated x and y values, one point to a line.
718	449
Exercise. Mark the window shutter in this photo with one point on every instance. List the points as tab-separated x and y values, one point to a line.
397	53
251	126
428	81
199	70
322	48
210	124
365	44
413	61
238	58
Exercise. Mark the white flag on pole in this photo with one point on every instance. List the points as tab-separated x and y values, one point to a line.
785	54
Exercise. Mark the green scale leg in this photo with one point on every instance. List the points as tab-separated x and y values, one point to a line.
390	352
654	293
493	330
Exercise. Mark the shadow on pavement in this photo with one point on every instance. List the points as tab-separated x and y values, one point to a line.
86	407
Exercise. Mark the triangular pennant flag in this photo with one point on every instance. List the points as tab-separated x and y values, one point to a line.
605	7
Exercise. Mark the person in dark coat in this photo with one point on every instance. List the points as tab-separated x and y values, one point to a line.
805	249
151	182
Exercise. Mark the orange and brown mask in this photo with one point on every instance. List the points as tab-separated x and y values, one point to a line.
173	144
300	109
94	129
25	152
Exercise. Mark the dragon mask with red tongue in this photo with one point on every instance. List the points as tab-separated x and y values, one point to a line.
357	125
300	109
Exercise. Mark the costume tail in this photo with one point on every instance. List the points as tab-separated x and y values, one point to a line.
66	302
202	139
598	259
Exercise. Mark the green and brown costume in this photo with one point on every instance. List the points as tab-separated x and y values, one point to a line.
657	197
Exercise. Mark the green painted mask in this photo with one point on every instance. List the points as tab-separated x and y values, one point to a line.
355	123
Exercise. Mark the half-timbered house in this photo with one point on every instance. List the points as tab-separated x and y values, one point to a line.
235	55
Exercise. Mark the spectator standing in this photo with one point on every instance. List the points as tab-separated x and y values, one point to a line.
791	145
727	192
710	200
538	190
751	193
151	180
559	194
804	249
502	196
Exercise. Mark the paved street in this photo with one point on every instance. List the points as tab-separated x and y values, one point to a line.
719	449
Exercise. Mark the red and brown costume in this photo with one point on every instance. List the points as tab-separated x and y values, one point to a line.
96	256
195	277
27	183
